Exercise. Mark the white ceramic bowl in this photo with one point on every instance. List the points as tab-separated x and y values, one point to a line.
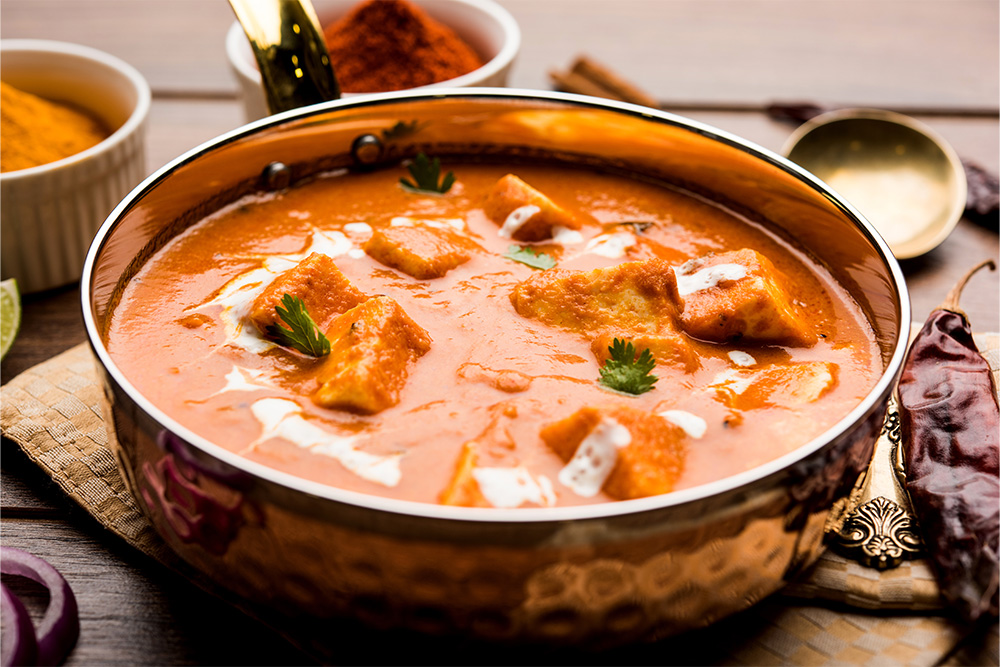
486	26
51	212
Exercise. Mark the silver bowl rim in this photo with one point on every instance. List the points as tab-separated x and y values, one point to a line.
522	514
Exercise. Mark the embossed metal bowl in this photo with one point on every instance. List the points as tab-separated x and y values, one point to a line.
598	574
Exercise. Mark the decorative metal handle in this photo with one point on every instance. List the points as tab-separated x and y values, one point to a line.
880	532
291	53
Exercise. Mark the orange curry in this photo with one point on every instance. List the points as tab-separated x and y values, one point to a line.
468	332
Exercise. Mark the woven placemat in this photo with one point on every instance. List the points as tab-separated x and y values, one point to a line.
839	613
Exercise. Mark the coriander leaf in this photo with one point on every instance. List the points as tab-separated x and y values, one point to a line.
401	129
302	334
426	173
525	255
623	372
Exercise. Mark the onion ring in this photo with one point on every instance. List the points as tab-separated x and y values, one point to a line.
17	641
59	628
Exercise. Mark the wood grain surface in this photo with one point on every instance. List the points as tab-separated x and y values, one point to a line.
717	61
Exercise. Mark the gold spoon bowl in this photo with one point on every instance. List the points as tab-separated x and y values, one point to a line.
903	177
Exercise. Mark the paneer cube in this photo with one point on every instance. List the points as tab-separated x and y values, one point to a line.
420	250
524	213
633	297
668	348
371	348
739	295
316	280
781	385
626	452
463	490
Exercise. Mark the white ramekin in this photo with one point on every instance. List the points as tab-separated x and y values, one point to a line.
485	25
50	213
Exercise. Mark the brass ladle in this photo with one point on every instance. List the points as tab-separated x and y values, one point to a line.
288	43
896	171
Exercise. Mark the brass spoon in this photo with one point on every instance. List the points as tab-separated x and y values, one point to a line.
291	53
899	174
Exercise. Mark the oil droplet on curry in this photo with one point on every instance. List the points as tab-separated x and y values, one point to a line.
460	374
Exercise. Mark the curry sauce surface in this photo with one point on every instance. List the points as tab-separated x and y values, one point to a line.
172	333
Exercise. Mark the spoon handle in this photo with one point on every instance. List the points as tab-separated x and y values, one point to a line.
290	50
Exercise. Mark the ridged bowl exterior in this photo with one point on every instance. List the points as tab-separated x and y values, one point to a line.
596	575
50	214
598	582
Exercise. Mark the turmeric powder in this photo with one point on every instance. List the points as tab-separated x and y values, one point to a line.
35	131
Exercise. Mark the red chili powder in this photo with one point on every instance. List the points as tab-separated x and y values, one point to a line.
383	45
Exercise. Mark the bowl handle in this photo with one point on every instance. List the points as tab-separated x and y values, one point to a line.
288	43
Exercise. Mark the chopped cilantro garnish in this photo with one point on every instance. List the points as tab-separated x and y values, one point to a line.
401	129
624	372
525	255
426	173
302	334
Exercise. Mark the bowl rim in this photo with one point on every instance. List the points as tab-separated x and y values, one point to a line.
237	48
127	129
520	515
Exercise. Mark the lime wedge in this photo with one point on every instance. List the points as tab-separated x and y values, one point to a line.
10	314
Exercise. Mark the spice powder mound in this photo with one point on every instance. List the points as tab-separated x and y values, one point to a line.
35	131
383	45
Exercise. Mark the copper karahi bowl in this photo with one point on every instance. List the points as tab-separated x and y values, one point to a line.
597	574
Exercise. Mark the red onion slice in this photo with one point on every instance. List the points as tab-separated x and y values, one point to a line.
60	626
17	641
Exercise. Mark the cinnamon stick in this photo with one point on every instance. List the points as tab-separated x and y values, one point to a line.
588	77
572	82
604	77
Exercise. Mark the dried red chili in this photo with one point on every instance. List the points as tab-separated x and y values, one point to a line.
950	426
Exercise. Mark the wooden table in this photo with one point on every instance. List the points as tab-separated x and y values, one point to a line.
721	62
